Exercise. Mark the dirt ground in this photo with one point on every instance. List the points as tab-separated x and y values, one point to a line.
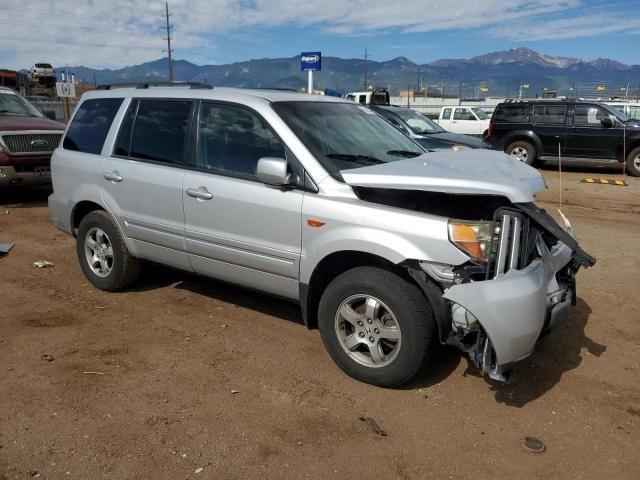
169	354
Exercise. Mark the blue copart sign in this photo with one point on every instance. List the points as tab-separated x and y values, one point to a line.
310	61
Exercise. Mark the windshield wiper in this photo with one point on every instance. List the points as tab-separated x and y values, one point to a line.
364	159
404	153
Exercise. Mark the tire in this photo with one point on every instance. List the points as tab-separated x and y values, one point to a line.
523	151
633	162
402	312
99	238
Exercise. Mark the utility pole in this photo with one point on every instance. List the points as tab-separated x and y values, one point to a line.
168	39
366	58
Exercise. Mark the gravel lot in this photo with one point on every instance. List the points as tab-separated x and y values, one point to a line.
142	383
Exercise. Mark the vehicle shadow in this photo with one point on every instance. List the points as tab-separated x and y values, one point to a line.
558	352
443	362
24	197
601	168
156	276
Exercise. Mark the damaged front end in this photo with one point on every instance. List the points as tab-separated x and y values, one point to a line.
520	277
500	307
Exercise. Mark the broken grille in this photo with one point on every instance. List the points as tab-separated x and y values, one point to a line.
28	143
509	247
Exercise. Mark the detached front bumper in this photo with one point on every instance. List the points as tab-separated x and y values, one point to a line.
514	308
9	175
529	287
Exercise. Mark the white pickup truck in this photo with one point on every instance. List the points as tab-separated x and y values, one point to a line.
466	120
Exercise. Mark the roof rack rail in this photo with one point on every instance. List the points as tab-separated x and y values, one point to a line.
192	85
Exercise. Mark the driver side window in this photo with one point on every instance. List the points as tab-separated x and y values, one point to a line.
463	114
232	139
589	116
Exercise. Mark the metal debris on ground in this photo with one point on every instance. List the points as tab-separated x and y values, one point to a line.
5	248
43	264
533	445
234	392
47	357
373	425
93	373
605	181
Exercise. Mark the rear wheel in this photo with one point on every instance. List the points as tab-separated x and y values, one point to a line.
376	326
523	151
102	253
633	162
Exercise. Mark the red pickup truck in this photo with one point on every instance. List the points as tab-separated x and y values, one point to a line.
27	140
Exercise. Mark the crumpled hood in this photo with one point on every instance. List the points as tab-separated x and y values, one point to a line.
467	172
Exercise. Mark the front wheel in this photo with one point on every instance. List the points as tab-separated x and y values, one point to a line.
376	326
523	151
633	162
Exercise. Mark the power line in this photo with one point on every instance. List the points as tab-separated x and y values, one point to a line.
168	39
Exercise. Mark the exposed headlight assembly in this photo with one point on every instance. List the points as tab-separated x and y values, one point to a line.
473	238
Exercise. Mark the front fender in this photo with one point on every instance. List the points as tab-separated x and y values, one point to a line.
385	244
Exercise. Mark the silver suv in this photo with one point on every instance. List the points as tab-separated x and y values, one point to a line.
387	248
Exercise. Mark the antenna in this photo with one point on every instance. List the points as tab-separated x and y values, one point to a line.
168	39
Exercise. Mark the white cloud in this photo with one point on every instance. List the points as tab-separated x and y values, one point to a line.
115	33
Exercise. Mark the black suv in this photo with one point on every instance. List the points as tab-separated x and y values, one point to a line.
533	130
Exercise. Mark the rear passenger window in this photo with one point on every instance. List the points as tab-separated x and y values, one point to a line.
160	130
90	125
231	140
511	114
550	114
446	114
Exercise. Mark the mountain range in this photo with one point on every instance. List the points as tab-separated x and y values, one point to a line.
501	72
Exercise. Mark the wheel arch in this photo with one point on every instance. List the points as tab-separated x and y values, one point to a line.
81	210
330	267
339	262
523	136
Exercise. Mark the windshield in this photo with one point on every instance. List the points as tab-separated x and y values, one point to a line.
480	114
618	113
12	104
343	136
419	124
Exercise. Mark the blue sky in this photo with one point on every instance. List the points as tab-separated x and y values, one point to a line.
116	33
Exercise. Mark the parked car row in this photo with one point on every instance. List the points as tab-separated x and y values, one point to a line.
532	130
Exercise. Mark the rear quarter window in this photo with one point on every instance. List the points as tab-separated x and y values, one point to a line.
90	125
510	114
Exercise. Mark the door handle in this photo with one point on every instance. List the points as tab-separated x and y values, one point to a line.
113	176
200	193
455	121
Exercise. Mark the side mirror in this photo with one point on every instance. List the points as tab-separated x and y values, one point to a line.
273	171
50	114
606	122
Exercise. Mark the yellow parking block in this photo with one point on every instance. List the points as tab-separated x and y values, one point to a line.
605	181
